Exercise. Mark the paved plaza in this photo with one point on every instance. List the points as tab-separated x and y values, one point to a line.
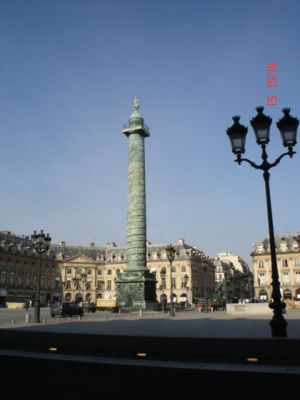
185	324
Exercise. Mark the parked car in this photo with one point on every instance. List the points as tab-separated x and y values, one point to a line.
65	309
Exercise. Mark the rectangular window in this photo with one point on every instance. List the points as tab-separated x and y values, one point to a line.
297	262
286	277
12	278
3	278
297	277
99	272
109	285
260	264
183	269
68	285
285	263
262	278
109	272
100	285
174	283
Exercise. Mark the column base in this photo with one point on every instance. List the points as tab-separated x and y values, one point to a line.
136	289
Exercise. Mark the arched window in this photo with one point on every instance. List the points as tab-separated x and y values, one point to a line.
183	298
263	295
68	296
88	297
287	294
78	298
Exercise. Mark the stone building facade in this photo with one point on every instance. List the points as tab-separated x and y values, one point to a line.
19	266
89	273
288	264
234	280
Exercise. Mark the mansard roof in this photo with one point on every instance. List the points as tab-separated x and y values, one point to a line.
288	238
9	240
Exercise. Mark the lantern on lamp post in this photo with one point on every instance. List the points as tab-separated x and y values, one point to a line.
171	256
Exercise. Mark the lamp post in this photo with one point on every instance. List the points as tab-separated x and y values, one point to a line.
205	289
83	277
171	256
186	279
287	126
41	244
163	282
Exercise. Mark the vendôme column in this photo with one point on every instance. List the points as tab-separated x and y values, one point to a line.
136	285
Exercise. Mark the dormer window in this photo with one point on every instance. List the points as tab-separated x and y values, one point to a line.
283	245
260	248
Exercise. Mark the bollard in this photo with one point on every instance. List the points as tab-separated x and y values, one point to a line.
13	321
44	320
141	312
27	317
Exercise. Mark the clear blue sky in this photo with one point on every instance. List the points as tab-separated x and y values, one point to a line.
68	74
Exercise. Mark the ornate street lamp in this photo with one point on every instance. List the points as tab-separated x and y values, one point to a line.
205	290
163	282
171	256
41	244
83	277
287	126
185	280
